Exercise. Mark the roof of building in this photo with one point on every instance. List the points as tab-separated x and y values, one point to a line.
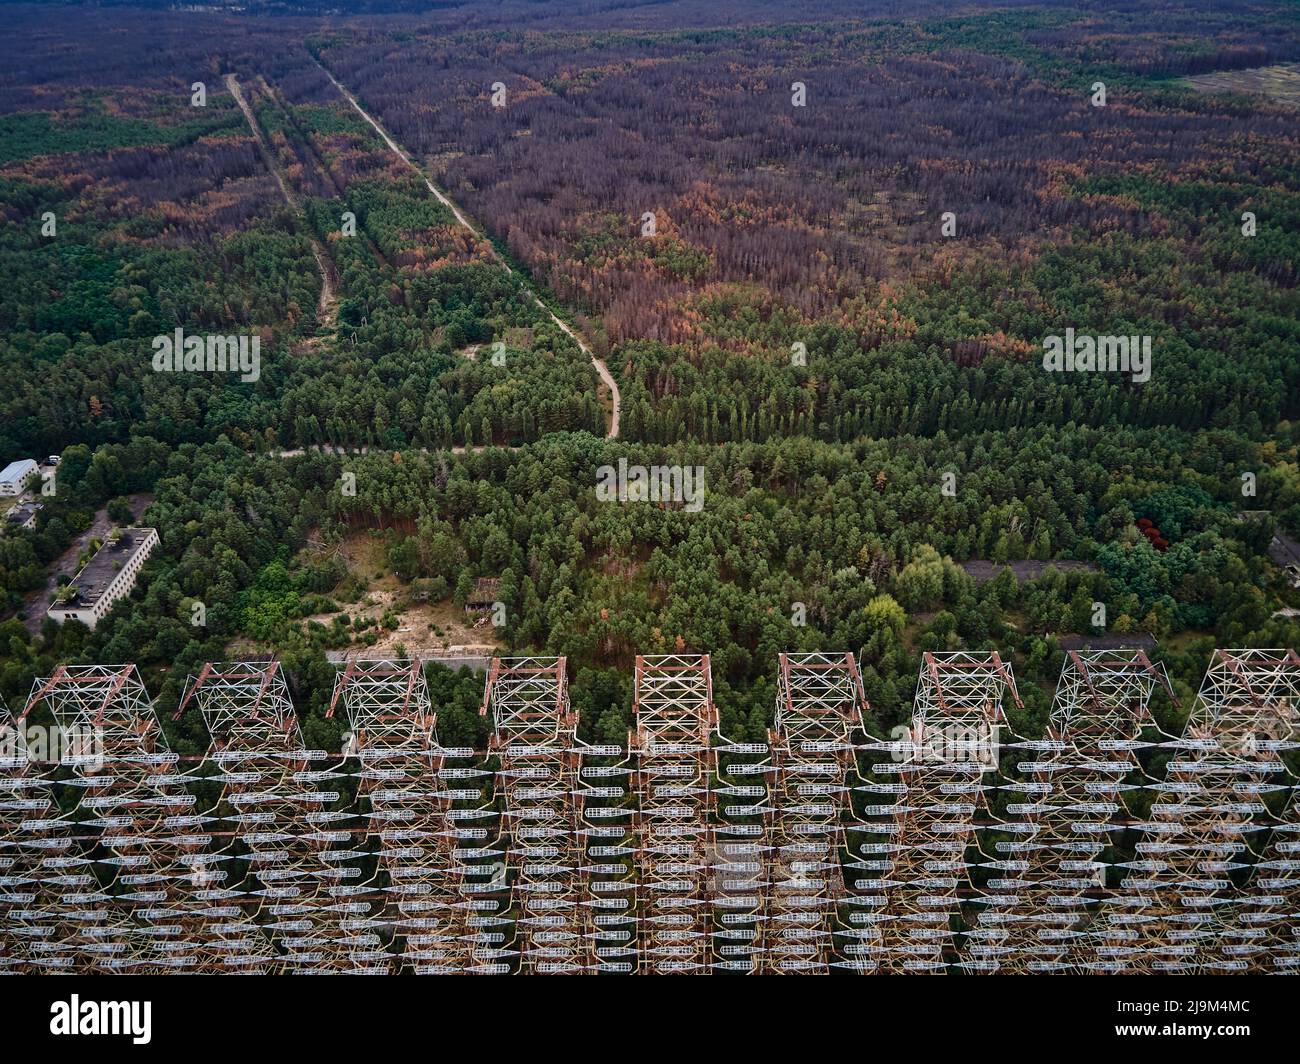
24	510
98	573
1284	550
23	467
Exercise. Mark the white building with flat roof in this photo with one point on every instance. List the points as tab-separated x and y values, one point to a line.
15	477
107	577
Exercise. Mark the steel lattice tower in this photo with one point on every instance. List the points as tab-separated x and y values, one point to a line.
610	827
412	788
107	865
819	708
1180	895
953	742
740	856
1250	701
39	860
283	821
534	735
164	898
674	716
1074	786
1266	930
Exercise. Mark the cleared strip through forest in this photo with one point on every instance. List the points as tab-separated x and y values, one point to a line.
606	377
326	307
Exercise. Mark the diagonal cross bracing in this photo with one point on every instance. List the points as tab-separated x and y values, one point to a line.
940	769
674	716
534	735
41	871
297	848
160	880
1177	909
819	709
412	785
1050	872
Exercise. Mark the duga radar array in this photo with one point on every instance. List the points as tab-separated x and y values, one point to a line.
1104	846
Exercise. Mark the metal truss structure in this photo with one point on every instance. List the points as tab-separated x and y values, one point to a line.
1246	714
674	717
683	853
611	832
953	742
819	710
1266	929
611	872
741	862
38	859
283	823
1051	872
534	734
1178	909
414	788
56	913
143	895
